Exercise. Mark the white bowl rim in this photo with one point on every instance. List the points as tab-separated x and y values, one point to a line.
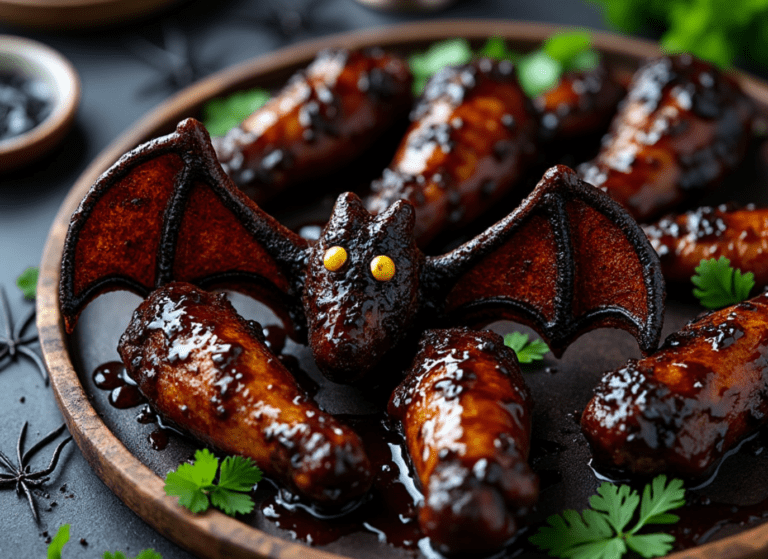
60	72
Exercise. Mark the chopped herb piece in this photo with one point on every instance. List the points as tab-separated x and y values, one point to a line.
496	48
538	72
224	113
564	47
193	483
58	542
718	285
599	532
451	52
527	351
27	282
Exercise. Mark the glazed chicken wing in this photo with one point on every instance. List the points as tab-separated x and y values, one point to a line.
465	413
682	127
207	370
682	241
327	115
680	410
581	103
473	133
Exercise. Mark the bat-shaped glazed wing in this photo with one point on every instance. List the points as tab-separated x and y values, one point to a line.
568	260
166	211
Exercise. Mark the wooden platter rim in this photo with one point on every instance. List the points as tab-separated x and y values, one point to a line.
213	534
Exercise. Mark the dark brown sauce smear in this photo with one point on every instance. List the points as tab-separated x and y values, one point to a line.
123	391
389	511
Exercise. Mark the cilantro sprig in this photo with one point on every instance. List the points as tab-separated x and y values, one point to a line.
719	285
714	30
27	282
62	538
527	351
195	487
224	113
601	532
537	71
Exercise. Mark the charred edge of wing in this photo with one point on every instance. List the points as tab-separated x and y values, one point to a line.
72	303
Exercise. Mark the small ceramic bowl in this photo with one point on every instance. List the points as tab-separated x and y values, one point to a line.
58	77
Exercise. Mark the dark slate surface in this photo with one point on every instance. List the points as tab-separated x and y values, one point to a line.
118	88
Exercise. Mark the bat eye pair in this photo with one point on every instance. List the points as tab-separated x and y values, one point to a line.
382	267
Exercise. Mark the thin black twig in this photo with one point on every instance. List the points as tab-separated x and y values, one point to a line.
290	21
19	475
15	340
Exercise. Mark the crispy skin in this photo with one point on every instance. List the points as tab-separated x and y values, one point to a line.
207	370
582	103
473	133
323	118
680	410
681	129
465	413
741	235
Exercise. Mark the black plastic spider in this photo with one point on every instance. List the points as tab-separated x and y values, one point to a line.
14	342
20	476
291	20
174	59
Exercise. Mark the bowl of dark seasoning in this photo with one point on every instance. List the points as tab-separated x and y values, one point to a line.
39	95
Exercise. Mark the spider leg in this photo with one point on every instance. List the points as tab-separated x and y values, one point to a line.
52	465
6	310
20	446
5	461
31	500
22	326
33	356
41	443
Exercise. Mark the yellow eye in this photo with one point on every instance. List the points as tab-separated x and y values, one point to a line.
334	258
383	268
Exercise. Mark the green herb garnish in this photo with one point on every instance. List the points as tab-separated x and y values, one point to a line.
224	113
58	541
710	29
193	483
527	351
146	554
599	532
27	282
718	285
452	52
537	71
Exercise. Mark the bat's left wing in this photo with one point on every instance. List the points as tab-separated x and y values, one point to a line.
568	260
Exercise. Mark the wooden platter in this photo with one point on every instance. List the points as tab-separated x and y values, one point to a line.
116	447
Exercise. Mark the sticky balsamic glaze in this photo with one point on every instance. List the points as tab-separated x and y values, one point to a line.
112	376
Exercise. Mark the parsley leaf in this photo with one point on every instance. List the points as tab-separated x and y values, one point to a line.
58	541
718	285
527	351
27	282
193	483
600	532
451	52
537	71
224	113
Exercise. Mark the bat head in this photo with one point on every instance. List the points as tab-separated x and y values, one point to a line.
362	288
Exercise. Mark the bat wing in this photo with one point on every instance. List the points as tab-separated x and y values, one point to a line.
167	212
568	260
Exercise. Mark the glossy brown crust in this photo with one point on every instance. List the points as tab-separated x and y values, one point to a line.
166	211
741	235
473	133
206	369
355	319
465	413
681	129
582	103
566	261
680	410
327	115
